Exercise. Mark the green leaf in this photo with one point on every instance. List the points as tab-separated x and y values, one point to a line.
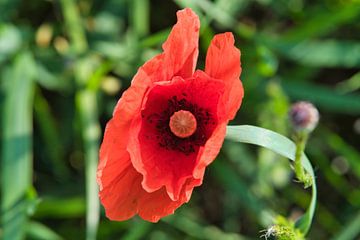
349	85
49	80
10	40
70	207
8	8
16	158
74	24
323	97
351	229
283	146
38	231
320	21
51	137
87	107
139	232
86	104
195	230
140	17
327	53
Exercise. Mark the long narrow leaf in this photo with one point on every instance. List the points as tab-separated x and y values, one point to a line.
324	97
16	159
195	230
140	17
322	21
87	106
351	229
74	24
327	53
283	146
36	230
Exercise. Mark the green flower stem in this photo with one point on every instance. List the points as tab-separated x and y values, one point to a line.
302	176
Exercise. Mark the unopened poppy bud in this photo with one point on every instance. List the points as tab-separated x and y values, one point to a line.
304	116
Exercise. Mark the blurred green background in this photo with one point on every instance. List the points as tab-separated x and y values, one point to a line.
64	64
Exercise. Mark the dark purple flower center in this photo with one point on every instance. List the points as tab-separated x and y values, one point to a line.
159	121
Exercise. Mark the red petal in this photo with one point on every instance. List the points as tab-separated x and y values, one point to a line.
223	62
113	154
159	165
121	192
179	58
211	149
180	50
120	187
181	47
153	206
114	158
125	197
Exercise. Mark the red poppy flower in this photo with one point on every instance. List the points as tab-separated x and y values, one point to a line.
169	125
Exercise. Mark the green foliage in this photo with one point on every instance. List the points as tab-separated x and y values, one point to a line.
16	158
64	64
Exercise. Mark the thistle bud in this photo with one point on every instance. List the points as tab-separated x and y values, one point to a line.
304	116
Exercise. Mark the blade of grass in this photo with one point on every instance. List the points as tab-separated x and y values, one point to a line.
284	147
351	229
87	107
38	231
196	230
140	17
326	53
51	137
324	97
50	80
51	207
16	160
74	25
350	85
138	232
71	207
321	21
